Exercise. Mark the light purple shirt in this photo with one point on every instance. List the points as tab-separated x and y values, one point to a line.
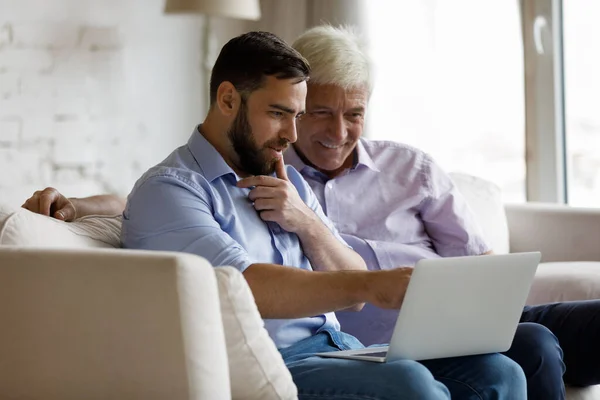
395	206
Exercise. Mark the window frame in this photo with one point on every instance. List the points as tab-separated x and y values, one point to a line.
546	152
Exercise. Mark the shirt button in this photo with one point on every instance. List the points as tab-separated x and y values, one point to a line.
329	185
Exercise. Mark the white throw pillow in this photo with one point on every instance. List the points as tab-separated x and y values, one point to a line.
256	368
485	200
20	227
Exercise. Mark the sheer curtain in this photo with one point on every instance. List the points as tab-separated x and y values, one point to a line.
449	80
448	76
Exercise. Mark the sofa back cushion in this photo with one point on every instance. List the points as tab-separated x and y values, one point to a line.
485	200
20	227
109	324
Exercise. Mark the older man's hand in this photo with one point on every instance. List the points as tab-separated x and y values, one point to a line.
52	203
277	200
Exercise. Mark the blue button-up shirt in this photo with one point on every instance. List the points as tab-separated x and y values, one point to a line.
190	203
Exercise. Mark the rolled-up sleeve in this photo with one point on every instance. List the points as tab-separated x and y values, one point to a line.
448	220
167	213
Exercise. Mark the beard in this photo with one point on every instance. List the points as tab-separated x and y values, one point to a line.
252	159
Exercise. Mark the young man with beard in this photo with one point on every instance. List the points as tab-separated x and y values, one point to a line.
228	197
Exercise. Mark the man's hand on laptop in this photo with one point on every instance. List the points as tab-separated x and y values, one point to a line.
52	203
386	289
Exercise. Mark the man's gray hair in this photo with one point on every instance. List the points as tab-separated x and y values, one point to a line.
337	55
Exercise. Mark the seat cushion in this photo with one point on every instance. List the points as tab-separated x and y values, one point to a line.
589	393
20	227
565	281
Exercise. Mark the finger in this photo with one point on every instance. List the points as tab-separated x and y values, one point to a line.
259	180
265	204
264	192
280	169
47	197
31	203
28	205
268	215
66	213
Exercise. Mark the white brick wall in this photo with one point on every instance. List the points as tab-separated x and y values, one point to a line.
44	35
5	35
9	85
11	132
25	59
93	92
97	38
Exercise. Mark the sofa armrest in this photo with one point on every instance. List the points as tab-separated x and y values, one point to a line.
105	324
560	232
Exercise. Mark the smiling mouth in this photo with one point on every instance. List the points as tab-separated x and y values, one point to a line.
330	146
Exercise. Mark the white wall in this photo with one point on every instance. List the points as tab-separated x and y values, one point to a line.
93	92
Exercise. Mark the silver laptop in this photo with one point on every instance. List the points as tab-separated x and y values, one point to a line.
457	306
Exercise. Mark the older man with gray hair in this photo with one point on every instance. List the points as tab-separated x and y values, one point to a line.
412	210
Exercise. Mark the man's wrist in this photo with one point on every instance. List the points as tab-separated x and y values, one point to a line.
359	285
75	203
310	227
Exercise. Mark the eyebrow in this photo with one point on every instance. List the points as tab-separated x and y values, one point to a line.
285	109
355	109
320	107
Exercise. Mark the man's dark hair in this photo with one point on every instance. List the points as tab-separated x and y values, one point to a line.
248	59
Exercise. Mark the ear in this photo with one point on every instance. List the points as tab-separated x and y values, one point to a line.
228	99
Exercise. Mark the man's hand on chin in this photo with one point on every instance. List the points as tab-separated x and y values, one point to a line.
277	200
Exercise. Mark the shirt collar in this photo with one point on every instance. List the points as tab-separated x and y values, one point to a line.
292	158
208	158
362	158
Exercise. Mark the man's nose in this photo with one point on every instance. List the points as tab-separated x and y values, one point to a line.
290	133
338	128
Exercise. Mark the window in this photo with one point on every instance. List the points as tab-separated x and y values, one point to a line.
582	100
449	80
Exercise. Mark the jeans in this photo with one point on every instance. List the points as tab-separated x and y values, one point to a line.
576	324
537	351
490	376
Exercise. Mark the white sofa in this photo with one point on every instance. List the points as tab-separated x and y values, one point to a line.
88	321
83	320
